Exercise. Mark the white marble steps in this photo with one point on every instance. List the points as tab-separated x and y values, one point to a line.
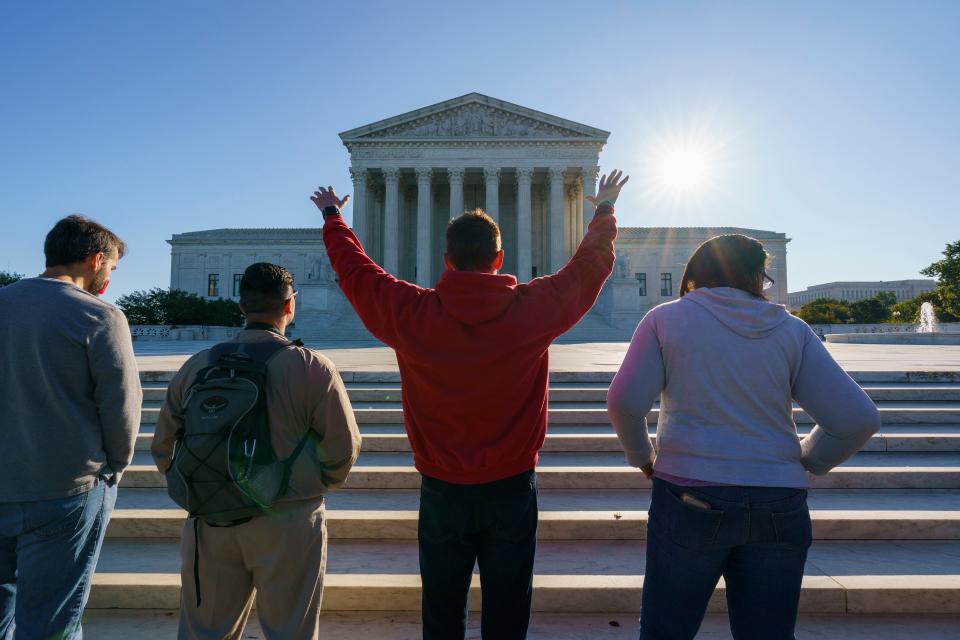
583	515
582	576
870	470
599	438
557	377
405	625
596	413
597	392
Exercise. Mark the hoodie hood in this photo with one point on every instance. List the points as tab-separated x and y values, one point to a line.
739	311
473	298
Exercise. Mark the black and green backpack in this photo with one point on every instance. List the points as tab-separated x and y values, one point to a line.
225	470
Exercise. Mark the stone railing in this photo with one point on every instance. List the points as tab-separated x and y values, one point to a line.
944	327
141	332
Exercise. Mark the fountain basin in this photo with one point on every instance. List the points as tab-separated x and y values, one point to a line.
935	337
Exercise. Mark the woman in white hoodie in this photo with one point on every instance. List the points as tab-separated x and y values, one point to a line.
730	473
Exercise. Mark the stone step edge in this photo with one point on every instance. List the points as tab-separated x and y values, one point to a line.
558	593
862	377
371	524
556	477
609	443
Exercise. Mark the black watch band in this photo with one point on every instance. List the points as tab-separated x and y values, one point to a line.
330	211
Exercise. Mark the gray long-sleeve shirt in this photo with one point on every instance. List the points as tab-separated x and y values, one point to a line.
727	366
69	390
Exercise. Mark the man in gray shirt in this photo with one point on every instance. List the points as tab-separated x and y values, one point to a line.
70	395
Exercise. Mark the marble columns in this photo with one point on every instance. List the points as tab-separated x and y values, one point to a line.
424	221
360	216
391	221
491	176
524	225
588	176
555	218
455	175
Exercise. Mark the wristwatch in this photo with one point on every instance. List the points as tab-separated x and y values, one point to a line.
330	211
604	208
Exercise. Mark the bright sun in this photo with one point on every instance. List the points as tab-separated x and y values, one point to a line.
683	170
685	163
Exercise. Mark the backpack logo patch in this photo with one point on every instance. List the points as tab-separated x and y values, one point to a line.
214	404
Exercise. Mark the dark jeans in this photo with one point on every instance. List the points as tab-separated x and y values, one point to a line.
493	524
48	552
755	537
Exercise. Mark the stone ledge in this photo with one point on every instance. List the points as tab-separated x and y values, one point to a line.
562	593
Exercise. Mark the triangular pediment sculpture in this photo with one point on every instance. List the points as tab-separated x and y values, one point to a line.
472	117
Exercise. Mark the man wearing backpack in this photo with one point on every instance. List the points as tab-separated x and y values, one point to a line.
70	393
473	361
231	549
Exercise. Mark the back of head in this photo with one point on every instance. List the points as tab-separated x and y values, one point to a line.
264	289
75	238
473	241
732	260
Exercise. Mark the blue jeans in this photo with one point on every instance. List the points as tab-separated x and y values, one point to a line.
755	537
48	552
493	525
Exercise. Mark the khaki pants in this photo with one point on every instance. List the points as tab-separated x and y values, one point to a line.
278	559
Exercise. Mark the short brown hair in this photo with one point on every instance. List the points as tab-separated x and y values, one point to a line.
264	288
473	241
732	260
75	237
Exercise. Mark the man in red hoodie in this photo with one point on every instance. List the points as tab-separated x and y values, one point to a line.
473	362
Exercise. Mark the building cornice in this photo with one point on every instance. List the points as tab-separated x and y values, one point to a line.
474	98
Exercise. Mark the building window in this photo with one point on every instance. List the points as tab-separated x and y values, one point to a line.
213	285
237	277
666	284
534	271
642	280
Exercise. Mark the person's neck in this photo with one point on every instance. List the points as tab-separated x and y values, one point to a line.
267	325
65	276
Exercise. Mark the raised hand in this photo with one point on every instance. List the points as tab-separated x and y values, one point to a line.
610	186
328	198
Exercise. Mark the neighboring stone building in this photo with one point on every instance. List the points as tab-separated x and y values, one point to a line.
411	173
853	291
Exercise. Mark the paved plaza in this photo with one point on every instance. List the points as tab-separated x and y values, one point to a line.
590	356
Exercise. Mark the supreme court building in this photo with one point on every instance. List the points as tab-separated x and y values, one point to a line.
413	172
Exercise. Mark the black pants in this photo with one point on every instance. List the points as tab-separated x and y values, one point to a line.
492	524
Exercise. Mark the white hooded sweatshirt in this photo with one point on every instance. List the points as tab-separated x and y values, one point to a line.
728	366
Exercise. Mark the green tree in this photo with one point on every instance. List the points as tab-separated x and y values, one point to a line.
909	310
159	306
144	307
9	277
873	310
947	273
825	311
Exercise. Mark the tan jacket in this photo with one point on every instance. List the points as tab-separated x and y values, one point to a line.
304	392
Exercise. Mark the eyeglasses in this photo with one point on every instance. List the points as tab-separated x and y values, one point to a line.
767	280
295	294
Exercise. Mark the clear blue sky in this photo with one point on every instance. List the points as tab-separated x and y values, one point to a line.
839	121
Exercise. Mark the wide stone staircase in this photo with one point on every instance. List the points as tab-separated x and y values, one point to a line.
886	523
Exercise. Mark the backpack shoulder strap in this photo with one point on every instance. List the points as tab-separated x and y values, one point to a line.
264	352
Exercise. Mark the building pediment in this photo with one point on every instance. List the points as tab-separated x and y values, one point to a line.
474	117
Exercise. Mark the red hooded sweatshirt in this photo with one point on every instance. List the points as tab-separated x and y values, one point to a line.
473	351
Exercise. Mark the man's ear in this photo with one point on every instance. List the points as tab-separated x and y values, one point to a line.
498	261
94	261
288	305
446	261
